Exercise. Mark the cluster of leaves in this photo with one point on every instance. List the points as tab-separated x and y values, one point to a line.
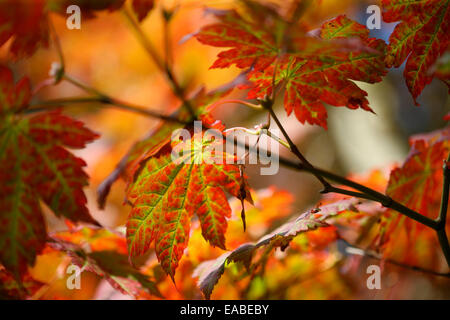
314	67
209	272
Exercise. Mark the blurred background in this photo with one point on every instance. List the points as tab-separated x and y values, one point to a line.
106	54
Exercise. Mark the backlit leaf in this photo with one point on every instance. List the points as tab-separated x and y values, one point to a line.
166	194
58	180
314	69
418	185
420	38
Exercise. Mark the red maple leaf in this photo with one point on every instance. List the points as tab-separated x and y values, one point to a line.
420	38
166	194
417	184
158	137
314	69
35	165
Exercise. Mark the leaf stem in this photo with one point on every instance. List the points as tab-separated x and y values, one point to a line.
268	105
442	218
58	103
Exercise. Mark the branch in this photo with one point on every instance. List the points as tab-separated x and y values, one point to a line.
385	200
163	66
364	192
106	100
442	219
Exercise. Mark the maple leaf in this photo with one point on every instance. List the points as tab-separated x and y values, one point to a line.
209	272
252	46
163	188
417	184
314	69
421	37
202	102
105	258
166	194
34	165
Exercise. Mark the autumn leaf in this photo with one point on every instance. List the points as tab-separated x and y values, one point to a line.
313	69
326	79
167	193
104	258
58	180
420	38
209	272
417	184
202	102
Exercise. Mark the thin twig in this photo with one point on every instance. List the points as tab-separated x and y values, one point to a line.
164	67
442	219
108	101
